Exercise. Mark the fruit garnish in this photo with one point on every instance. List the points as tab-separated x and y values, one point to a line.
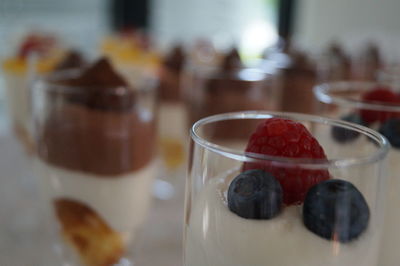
255	194
344	135
336	210
378	95
96	243
391	130
286	138
36	43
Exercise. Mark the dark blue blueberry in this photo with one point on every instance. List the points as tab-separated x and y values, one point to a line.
255	194
336	210
343	135
391	130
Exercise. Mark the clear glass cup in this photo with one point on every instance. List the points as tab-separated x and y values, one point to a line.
216	236
342	99
96	160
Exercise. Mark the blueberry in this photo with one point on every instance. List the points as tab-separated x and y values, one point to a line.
255	194
343	135
391	130
336	210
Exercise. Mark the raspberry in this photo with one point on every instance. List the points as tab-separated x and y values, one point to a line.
378	95
36	43
286	138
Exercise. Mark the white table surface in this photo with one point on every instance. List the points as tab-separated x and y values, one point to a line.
25	240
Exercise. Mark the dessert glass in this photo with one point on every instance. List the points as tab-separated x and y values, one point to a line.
212	90
173	115
215	236
339	99
96	160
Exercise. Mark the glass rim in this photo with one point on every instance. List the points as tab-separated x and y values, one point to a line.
382	150
323	93
51	81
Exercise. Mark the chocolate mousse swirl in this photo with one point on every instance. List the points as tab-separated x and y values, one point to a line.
171	73
73	59
228	88
95	124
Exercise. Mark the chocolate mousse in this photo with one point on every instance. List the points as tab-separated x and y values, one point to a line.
295	78
229	88
73	59
171	72
336	64
231	62
98	128
369	63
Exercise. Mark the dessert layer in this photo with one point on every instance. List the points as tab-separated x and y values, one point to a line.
172	119
103	143
173	133
230	92
121	202
216	236
96	243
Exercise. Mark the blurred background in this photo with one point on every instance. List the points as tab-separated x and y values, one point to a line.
251	26
297	43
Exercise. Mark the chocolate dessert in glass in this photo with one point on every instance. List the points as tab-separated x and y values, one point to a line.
227	87
334	64
95	138
294	78
172	115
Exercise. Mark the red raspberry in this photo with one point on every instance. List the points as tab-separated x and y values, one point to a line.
36	43
378	95
286	138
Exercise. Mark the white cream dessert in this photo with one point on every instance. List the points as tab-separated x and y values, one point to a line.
122	201
263	213
218	237
97	161
172	128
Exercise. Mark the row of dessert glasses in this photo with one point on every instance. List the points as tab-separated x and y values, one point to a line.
95	137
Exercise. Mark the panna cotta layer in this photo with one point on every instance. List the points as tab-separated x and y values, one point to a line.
215	236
